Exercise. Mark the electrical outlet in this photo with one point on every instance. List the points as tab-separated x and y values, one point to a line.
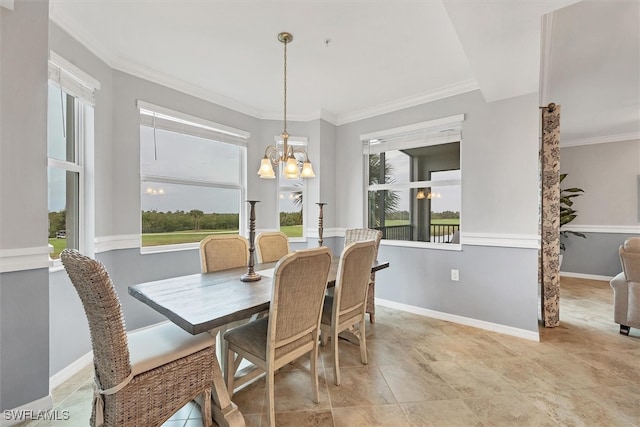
455	275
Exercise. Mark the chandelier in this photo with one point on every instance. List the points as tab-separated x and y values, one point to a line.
272	156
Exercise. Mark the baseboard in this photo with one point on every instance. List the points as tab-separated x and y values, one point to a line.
481	324
30	411
585	276
70	370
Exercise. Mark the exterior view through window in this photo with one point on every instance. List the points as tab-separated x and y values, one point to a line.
191	179
291	195
414	185
63	170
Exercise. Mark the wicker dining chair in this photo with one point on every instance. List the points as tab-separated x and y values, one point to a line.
223	251
293	326
141	378
347	307
356	235
271	246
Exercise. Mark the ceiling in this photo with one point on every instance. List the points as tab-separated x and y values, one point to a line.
355	59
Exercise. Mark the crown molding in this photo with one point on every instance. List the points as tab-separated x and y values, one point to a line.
410	101
127	66
599	139
71	27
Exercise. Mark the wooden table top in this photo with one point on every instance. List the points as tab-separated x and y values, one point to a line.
204	301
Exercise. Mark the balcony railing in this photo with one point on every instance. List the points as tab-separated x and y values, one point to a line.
440	233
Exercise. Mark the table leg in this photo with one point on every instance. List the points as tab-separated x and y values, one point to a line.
225	412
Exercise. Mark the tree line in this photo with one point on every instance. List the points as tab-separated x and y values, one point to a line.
167	222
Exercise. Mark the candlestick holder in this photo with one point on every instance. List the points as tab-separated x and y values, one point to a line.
251	275
320	224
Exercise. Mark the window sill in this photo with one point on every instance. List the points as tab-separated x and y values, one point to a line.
145	250
422	245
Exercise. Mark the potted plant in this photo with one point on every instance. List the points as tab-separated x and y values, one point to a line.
567	213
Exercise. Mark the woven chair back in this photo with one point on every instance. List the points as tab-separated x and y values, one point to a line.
104	313
352	281
223	252
299	285
272	246
352	235
630	259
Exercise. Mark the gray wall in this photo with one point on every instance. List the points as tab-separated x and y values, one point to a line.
24	295
608	211
499	197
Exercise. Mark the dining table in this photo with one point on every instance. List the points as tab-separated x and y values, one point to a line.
206	302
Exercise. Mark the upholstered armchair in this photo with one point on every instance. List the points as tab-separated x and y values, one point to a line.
626	287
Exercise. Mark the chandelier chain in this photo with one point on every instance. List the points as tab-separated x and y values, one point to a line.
285	86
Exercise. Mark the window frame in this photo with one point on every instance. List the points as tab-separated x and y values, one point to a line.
301	142
423	134
179	122
76	84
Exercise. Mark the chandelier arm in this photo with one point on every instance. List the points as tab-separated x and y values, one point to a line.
301	151
272	153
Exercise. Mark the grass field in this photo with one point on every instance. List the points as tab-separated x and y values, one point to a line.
58	246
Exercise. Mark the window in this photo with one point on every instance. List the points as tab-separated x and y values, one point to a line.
69	148
291	194
192	178
414	181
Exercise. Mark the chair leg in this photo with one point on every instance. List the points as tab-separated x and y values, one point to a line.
336	360
314	373
624	329
270	398
230	371
372	318
206	408
323	338
363	342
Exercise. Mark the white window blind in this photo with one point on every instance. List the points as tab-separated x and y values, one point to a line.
158	117
422	134
72	79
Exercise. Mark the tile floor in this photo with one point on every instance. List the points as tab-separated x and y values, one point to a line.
427	372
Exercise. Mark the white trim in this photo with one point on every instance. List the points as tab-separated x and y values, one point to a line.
421	245
410	101
70	370
614	229
144	250
599	139
481	324
585	276
8	4
41	405
444	121
123	241
529	241
24	258
326	232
